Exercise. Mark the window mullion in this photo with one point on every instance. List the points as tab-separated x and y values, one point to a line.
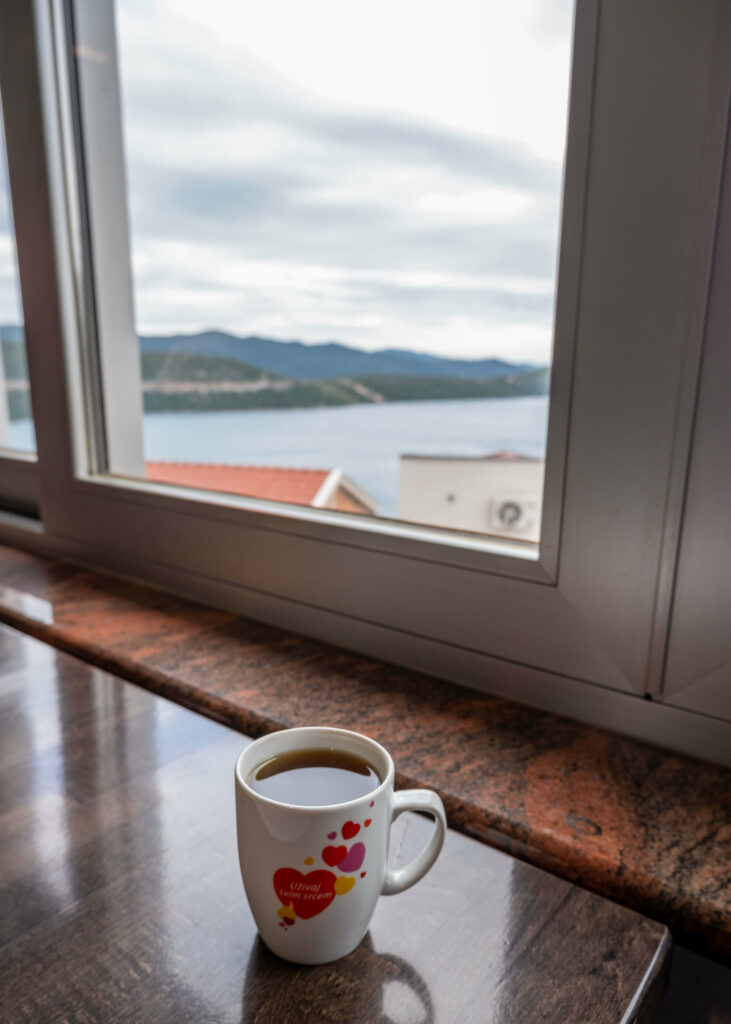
35	167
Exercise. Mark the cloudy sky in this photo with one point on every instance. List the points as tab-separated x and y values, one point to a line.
385	174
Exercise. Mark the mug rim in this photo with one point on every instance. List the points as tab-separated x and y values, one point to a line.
309	809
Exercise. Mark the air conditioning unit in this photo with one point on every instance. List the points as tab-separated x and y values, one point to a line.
512	513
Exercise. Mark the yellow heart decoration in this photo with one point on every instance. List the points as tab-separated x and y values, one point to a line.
344	884
288	913
309	860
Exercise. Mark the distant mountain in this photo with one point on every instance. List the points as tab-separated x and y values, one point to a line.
217	371
13	354
189	366
12	332
192	391
327	361
431	389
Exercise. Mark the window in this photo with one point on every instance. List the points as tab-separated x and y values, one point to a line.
579	623
16	415
17	440
338	185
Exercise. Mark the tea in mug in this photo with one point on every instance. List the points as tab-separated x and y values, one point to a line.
314	777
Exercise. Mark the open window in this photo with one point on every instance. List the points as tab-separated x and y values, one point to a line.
586	598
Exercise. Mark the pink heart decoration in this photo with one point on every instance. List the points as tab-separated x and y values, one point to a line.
354	858
331	835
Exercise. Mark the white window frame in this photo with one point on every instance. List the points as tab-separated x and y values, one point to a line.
583	628
698	658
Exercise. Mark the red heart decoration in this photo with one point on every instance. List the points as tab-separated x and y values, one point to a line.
332	855
367	822
350	829
308	895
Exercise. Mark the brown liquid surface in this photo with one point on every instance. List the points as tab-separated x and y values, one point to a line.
314	778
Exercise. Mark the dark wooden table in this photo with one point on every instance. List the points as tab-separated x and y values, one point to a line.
120	895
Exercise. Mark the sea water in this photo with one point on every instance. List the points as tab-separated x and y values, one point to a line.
365	441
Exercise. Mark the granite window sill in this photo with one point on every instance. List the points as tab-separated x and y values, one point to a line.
647	828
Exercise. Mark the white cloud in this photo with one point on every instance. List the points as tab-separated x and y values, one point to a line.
476	204
301	169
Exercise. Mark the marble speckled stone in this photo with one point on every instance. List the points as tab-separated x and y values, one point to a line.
645	827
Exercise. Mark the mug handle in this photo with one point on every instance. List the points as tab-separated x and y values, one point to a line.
424	800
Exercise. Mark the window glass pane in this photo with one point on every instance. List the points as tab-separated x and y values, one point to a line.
16	417
344	226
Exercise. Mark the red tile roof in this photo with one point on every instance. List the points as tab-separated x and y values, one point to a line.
298	486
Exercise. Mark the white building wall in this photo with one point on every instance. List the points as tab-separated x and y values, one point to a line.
495	495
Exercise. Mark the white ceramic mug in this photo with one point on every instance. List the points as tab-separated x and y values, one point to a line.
312	875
